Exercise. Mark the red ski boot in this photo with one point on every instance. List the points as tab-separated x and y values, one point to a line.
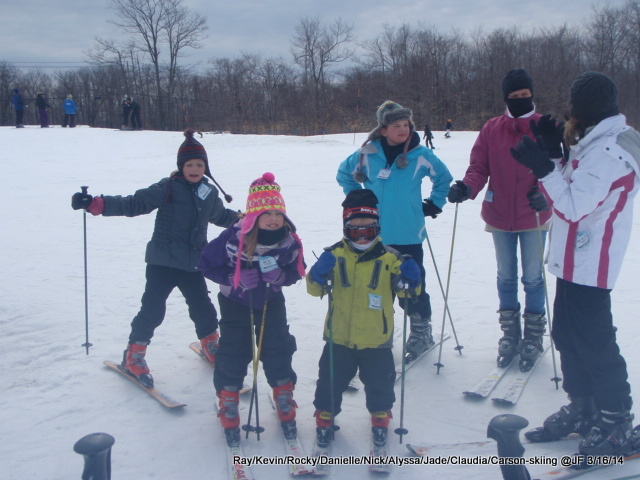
228	411
210	346
133	362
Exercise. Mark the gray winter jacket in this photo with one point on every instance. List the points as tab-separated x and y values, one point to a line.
180	231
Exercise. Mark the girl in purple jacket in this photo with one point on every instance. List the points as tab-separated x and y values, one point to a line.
252	260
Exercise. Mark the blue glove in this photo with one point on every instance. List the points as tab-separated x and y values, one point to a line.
534	156
323	267
410	272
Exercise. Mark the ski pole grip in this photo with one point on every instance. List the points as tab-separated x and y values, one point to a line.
84	189
96	450
505	429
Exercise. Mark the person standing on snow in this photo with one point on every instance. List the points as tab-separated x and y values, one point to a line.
18	106
428	136
252	260
360	320
448	127
592	196
42	105
126	113
186	204
70	109
136	124
511	209
392	163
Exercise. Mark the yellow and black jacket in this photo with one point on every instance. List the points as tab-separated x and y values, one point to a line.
363	290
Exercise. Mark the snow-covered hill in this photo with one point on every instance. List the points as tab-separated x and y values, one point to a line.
53	393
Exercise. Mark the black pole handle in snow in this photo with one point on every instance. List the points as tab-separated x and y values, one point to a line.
96	450
86	344
505	429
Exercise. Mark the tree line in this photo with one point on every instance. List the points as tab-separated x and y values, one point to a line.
329	81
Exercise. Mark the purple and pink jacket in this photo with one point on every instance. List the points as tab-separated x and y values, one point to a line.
505	206
218	263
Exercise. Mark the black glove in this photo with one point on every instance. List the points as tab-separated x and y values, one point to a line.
430	209
459	192
537	200
551	132
81	200
534	156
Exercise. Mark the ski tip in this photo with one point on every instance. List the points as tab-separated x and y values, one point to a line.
502	401
472	395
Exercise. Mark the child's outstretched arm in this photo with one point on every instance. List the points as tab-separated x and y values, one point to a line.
221	216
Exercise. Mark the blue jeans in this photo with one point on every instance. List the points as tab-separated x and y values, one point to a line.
506	245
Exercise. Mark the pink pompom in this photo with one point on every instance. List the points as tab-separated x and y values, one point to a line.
269	177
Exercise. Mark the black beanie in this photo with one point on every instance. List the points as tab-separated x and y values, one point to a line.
594	97
516	79
360	203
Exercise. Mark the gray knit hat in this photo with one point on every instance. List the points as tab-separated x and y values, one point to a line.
388	113
594	97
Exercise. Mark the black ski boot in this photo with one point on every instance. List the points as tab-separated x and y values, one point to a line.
532	348
611	435
577	417
420	339
510	343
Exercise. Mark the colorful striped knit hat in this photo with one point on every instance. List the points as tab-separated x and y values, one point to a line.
264	195
190	149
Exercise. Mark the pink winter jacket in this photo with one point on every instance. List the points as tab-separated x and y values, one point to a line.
505	205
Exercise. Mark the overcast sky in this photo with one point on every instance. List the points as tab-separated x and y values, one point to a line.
38	31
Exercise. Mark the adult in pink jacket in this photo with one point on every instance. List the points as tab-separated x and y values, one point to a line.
512	208
592	197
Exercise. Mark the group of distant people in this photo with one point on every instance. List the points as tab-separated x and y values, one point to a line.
130	111
428	134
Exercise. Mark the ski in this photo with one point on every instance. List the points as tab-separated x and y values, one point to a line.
321	469
607	461
484	387
516	385
437	342
236	470
293	448
379	452
160	397
196	347
471	447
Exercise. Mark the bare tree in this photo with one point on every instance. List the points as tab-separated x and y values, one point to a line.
315	47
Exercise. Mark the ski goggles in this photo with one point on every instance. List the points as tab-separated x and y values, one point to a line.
367	232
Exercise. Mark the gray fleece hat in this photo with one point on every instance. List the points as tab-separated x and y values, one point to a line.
388	113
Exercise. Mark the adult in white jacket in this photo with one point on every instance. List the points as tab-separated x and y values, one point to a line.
592	194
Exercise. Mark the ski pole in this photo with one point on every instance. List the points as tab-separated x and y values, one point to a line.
86	344
439	364
401	430
555	378
458	347
332	393
254	392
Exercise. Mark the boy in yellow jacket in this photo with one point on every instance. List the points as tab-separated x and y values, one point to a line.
365	274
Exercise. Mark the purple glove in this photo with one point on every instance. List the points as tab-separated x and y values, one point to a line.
249	278
274	277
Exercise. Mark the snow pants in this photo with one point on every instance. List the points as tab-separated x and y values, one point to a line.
235	350
161	281
19	117
69	119
44	117
584	335
422	304
377	372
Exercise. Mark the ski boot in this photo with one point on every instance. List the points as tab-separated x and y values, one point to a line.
228	414
577	417
286	408
134	363
532	348
325	428
612	434
210	346
380	427
510	343
420	339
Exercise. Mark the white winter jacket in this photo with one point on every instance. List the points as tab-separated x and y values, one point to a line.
592	198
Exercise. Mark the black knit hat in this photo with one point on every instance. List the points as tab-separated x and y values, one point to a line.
515	80
360	203
594	97
190	149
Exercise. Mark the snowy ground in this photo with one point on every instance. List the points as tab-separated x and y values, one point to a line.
54	393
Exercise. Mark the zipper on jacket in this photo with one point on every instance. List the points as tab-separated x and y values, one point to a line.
344	278
385	326
375	275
